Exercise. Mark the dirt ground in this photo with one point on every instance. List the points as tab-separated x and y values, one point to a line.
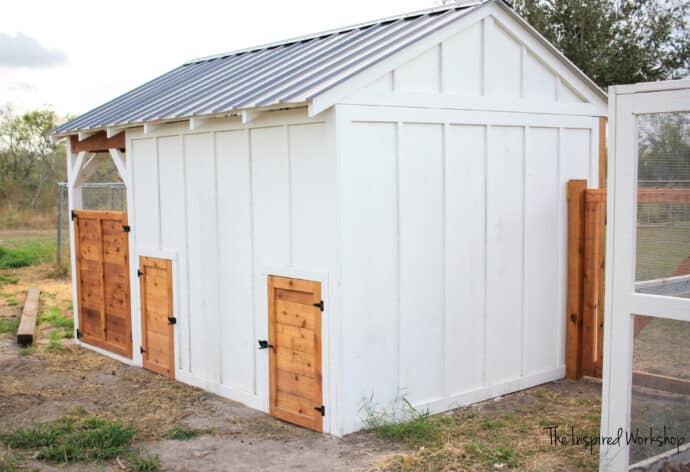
42	385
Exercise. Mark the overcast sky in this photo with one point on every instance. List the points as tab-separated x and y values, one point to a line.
74	55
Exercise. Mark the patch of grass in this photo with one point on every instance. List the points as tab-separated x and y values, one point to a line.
15	254
140	461
74	439
405	423
12	302
9	326
7	280
497	436
12	463
55	318
182	432
26	351
53	346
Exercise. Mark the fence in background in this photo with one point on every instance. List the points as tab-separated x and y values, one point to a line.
95	196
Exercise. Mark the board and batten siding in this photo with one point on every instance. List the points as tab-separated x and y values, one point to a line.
453	252
231	204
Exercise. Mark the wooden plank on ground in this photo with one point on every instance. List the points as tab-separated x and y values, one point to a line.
26	333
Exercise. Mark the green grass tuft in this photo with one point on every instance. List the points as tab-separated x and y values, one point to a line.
9	326
140	461
53	316
15	254
71	439
408	426
26	351
182	432
7	280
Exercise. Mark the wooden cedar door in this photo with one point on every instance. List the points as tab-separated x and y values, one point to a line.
157	319
102	247
294	331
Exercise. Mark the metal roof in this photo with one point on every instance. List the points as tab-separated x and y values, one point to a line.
280	74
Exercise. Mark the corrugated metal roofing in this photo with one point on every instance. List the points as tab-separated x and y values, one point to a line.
290	72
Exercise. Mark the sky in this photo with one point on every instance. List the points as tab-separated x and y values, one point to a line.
74	55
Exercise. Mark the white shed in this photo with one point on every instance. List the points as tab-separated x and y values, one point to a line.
409	173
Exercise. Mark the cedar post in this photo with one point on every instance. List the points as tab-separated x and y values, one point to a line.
573	332
592	281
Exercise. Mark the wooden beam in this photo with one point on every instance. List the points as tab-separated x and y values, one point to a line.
602	152
661	382
99	142
84	136
27	331
573	332
664	195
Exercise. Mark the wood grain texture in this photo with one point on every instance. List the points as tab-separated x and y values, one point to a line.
102	248
294	331
156	289
26	332
573	334
593	275
99	142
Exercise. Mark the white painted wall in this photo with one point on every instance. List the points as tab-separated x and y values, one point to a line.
430	204
233	203
453	252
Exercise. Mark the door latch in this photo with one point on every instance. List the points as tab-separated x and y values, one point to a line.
321	409
263	344
172	320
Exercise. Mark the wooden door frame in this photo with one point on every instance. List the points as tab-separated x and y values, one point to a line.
318	353
171	308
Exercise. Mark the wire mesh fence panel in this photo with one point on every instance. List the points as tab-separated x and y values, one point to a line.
95	196
660	401
663	206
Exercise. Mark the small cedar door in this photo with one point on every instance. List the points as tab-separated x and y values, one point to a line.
102	269
295	359
157	318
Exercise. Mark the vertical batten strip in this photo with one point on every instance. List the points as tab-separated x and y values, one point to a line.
487	26
248	141
188	322
158	193
523	344
485	360
219	291
562	245
291	212
398	139
523	70
444	274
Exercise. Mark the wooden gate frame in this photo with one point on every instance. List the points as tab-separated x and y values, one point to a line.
80	149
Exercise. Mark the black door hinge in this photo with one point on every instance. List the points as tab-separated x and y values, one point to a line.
126	228
172	320
139	273
319	305
74	215
141	350
263	344
79	334
321	409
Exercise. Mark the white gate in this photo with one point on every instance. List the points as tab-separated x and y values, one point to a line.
646	378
